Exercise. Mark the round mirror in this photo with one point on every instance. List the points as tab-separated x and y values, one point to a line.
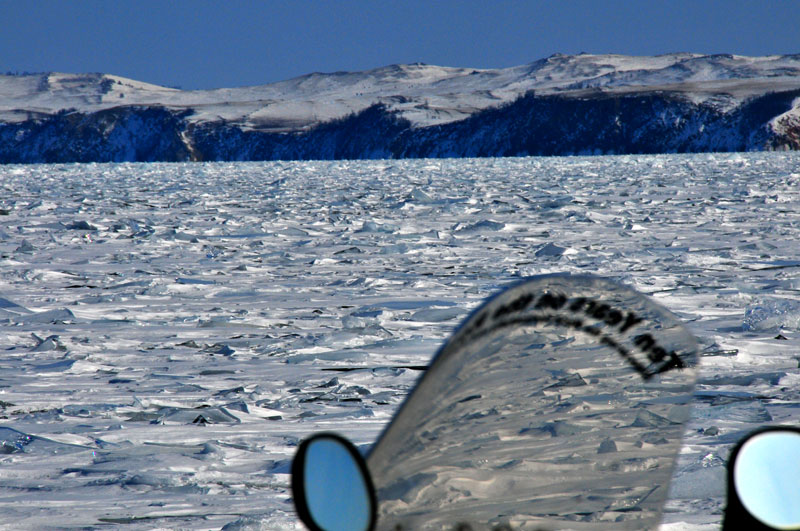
331	487
766	477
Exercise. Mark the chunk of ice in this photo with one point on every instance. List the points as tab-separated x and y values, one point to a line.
549	250
81	225
13	441
480	226
25	247
770	314
437	315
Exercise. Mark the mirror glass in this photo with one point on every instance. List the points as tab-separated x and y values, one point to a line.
336	491
767	478
558	404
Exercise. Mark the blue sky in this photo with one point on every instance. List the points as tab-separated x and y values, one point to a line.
208	44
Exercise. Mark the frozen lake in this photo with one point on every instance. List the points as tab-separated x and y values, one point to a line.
169	332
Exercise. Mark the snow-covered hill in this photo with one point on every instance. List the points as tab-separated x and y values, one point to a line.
414	98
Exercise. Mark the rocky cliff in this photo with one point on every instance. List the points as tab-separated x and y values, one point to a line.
578	105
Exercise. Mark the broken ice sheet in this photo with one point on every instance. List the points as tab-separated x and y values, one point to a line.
368	264
772	314
13	441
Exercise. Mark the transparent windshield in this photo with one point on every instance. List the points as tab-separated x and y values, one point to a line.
558	405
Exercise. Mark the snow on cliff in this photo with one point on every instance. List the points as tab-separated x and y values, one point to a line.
423	94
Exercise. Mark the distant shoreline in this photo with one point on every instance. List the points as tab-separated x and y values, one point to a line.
561	105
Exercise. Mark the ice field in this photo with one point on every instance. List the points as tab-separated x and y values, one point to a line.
169	332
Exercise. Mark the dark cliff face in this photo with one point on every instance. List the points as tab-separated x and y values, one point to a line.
121	134
599	123
594	123
369	134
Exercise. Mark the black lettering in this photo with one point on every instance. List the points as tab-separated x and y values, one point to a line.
514	306
630	320
600	311
613	317
471	397
641	369
644	342
657	354
565	321
610	342
577	305
522	302
675	360
591	330
661	360
553	302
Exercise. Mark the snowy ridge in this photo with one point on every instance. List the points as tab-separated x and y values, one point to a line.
424	94
421	97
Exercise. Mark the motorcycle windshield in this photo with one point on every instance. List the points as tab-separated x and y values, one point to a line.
559	404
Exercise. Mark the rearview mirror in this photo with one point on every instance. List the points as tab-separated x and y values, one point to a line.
764	481
331	487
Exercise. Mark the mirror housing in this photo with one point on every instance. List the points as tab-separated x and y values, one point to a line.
764	481
331	487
